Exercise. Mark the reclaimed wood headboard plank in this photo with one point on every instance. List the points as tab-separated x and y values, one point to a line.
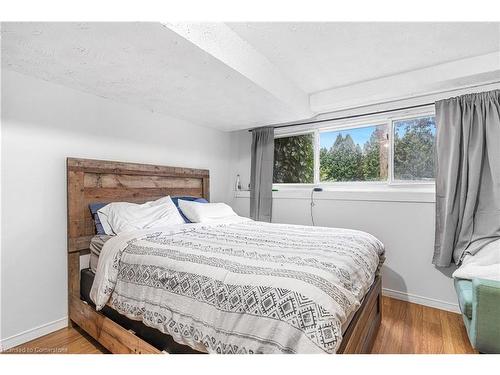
102	181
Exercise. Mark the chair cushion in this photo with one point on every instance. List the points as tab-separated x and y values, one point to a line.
464	292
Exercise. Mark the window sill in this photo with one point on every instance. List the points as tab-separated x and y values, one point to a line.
375	192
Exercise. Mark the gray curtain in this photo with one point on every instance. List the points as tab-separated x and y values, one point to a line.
261	174
467	175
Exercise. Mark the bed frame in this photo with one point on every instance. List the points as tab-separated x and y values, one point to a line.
92	181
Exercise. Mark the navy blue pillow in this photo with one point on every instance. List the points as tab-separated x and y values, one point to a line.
94	207
192	199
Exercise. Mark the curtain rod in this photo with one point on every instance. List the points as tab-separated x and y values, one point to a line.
351	116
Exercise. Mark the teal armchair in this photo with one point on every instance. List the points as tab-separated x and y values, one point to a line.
479	302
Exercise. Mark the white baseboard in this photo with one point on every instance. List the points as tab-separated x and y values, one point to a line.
33	333
426	301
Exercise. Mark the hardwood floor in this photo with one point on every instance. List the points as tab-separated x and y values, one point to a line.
406	328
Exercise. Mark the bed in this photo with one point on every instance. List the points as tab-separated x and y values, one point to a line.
305	312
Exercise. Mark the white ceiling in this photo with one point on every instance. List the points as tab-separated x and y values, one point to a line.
142	64
321	56
232	76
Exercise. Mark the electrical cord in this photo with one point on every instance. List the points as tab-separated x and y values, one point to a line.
312	206
312	202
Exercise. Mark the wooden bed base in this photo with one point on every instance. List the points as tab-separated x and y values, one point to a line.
93	181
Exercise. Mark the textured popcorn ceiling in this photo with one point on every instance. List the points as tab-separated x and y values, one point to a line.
142	64
320	56
233	76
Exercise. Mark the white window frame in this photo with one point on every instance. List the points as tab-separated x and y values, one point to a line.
387	119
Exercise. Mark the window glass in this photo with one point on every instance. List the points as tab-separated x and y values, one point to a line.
357	154
414	141
294	159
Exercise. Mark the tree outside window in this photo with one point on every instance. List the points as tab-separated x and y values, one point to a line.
294	159
414	142
359	154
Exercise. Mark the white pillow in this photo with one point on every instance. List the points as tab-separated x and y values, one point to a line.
120	217
205	212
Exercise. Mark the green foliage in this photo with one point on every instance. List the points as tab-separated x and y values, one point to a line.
346	161
414	150
375	169
343	162
294	159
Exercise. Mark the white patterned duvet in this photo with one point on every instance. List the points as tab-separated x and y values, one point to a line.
240	286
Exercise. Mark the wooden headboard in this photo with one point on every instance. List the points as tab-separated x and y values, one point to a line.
99	181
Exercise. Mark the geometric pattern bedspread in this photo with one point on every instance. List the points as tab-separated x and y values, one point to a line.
240	286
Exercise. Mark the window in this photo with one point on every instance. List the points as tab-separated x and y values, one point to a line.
414	149
358	154
294	159
388	150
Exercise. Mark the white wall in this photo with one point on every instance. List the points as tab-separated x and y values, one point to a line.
42	124
402	220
